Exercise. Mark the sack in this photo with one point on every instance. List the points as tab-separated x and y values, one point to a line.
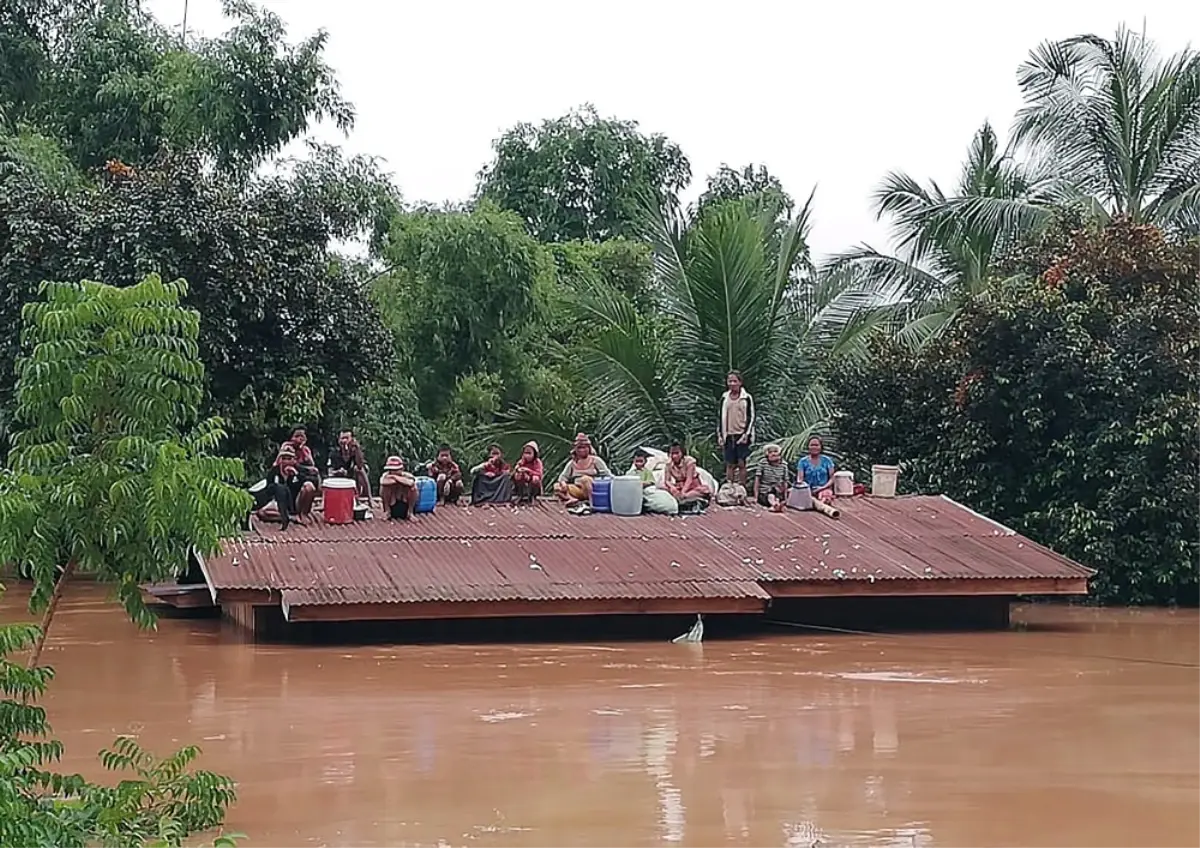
659	501
731	494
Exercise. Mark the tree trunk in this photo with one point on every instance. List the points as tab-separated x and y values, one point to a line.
48	615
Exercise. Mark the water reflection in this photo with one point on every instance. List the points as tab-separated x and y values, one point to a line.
971	739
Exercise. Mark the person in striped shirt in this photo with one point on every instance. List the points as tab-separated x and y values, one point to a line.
772	479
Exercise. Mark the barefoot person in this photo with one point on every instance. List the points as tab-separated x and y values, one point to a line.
306	479
771	480
397	490
448	476
575	482
816	469
682	479
527	476
735	430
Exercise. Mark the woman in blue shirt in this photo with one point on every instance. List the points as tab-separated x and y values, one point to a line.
816	469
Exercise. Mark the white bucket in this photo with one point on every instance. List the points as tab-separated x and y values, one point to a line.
625	496
883	480
843	483
800	497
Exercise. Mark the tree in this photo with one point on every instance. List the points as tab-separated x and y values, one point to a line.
112	472
753	182
460	294
162	802
581	177
281	314
941	261
622	264
1120	126
1065	404
110	83
738	292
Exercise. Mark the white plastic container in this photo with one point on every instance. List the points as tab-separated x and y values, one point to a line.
843	483
625	497
883	480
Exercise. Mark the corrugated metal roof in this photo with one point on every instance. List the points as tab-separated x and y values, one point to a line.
542	552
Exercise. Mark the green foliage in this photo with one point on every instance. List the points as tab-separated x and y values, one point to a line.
109	82
1118	125
387	420
276	306
43	158
942	260
735	291
754	184
620	264
460	295
112	470
1065	404
581	177
161	802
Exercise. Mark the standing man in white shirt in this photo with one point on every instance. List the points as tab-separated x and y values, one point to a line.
735	433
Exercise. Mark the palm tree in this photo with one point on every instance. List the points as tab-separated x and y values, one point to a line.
1120	126
737	291
940	261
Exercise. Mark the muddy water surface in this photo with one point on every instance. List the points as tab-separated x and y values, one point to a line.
1030	737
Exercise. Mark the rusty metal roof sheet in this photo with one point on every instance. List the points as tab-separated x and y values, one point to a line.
542	552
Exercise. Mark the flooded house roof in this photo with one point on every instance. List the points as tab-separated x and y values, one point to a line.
532	555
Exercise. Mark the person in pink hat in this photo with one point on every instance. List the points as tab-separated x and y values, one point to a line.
575	482
527	475
397	490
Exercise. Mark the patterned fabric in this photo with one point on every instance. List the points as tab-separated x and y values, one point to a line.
772	475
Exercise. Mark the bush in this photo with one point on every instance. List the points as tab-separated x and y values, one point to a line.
1066	405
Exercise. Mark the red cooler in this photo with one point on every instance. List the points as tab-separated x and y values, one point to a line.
338	494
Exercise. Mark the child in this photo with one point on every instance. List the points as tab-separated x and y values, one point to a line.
640	469
448	476
527	476
492	479
772	479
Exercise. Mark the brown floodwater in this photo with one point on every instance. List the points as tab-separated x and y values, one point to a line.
1047	734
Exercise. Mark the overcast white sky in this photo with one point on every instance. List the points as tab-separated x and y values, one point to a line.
833	94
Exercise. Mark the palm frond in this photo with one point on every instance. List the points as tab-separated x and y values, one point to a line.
1121	126
622	371
732	325
895	278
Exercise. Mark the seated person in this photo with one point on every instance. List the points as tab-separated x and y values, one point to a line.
681	479
527	476
816	469
348	461
307	479
641	471
654	499
582	468
448	476
275	488
397	490
772	480
492	479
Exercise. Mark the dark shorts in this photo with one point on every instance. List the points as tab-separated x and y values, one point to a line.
734	452
780	493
